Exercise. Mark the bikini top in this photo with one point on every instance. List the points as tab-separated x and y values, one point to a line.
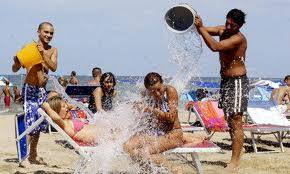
163	105
78	124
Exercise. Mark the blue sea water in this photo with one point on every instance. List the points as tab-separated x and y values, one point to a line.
124	85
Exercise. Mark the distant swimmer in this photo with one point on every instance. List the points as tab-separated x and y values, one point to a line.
73	78
234	87
7	94
33	92
96	73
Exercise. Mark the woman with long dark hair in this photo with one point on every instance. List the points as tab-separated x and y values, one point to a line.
102	97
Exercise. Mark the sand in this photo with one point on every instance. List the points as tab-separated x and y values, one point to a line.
62	159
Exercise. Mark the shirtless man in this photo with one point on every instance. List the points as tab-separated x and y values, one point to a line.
234	82
284	93
17	95
73	78
163	130
33	91
96	73
7	94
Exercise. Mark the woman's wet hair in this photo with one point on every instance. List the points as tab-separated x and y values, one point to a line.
111	77
237	15
62	81
286	78
55	103
151	79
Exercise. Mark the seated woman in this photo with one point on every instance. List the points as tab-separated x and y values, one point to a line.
164	131
101	99
79	129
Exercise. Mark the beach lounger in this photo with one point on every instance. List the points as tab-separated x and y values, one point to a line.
209	115
75	114
86	151
190	148
22	131
21	137
263	120
266	119
194	149
82	149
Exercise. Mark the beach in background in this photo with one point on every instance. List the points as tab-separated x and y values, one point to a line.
124	85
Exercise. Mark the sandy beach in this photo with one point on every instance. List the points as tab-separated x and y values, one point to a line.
62	159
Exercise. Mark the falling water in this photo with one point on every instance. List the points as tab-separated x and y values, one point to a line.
185	50
118	126
123	122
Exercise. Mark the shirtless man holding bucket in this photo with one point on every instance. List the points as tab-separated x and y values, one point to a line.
33	91
234	82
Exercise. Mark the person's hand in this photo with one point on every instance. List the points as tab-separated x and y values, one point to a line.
16	60
148	109
45	105
198	21
138	106
40	49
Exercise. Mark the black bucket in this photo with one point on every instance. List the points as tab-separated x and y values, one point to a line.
180	19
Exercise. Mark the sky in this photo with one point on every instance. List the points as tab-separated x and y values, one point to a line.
129	37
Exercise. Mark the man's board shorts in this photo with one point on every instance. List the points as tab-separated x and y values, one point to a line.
234	95
33	99
7	101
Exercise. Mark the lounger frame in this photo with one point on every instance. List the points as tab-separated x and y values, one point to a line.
256	130
193	150
86	151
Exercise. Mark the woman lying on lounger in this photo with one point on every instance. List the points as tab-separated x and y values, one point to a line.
79	129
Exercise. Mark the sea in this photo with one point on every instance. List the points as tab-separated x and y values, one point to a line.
125	85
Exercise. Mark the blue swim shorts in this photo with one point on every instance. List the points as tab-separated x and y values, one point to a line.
34	97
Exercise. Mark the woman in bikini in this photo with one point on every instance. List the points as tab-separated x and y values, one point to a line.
79	129
102	97
164	130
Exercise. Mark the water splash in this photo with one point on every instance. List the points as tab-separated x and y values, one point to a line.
185	50
117	127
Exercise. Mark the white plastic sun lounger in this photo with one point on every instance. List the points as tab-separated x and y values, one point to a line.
21	132
193	149
85	151
266	120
